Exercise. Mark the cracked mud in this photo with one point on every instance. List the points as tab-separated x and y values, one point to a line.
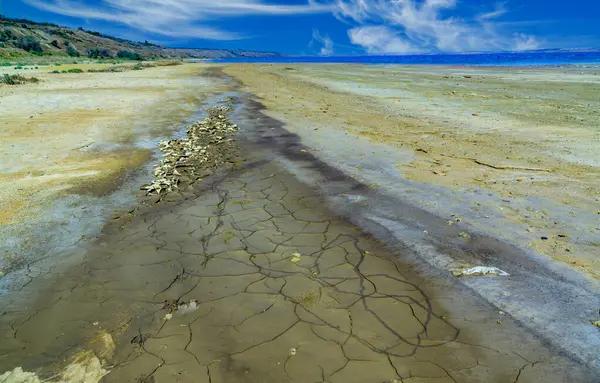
255	280
343	311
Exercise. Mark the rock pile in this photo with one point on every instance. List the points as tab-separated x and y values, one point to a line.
208	146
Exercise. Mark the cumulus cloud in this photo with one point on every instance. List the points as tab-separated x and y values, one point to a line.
394	26
176	18
325	42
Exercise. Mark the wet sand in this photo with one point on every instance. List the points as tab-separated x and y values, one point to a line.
272	273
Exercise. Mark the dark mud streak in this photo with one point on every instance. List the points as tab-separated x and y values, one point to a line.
270	133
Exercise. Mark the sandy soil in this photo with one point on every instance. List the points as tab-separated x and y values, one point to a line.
523	134
81	133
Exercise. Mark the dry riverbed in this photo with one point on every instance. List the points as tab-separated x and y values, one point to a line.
286	249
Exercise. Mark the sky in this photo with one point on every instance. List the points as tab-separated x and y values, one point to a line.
331	27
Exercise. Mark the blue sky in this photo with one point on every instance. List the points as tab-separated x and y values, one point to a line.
326	27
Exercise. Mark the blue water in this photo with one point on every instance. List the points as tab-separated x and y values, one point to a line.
538	58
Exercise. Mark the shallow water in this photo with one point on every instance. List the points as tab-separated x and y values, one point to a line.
532	58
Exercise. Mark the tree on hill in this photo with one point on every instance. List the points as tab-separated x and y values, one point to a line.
96	53
72	51
129	55
29	44
6	35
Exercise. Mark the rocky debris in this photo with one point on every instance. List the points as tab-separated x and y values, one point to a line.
477	271
175	306
207	146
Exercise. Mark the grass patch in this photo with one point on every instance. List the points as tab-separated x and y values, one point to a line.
73	70
123	68
16	79
107	70
168	63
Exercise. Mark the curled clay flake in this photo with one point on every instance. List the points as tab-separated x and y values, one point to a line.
295	258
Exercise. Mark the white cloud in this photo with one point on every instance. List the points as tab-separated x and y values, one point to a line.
525	42
379	39
498	12
426	25
379	26
176	18
325	41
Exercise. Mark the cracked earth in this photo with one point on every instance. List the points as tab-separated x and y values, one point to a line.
281	291
253	279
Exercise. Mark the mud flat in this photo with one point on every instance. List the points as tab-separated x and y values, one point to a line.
252	278
294	262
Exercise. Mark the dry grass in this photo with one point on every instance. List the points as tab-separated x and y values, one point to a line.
17	79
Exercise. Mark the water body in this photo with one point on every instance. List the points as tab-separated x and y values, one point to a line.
538	58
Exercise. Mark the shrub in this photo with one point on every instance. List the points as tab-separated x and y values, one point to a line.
55	71
16	79
8	79
129	55
72	51
29	44
6	35
54	43
73	70
96	53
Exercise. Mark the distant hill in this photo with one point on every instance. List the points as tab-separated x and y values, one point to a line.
19	37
